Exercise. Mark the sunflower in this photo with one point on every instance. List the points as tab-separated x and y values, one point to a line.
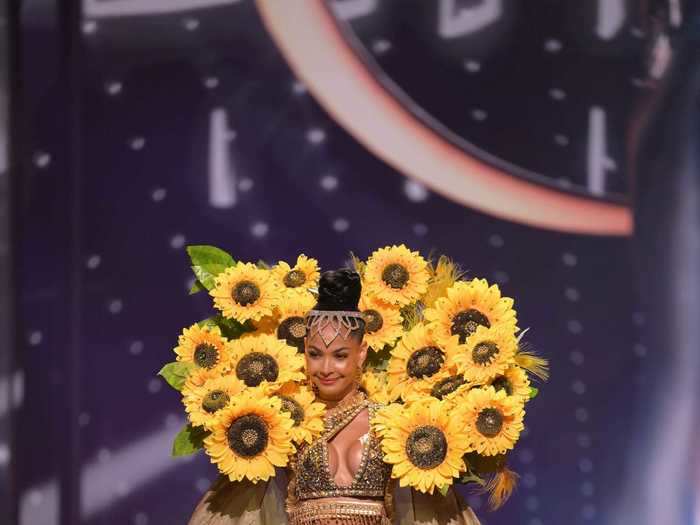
244	292
470	304
266	325
494	420
424	442
291	325
205	393
487	353
263	357
250	437
204	346
377	386
307	414
395	275
300	278
416	360
448	385
514	382
383	324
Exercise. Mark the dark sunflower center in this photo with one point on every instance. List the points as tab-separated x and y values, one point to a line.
395	275
215	400
424	362
248	435
296	411
426	447
502	383
206	355
484	352
465	323
245	293
294	279
489	422
256	367
373	320
293	330
447	386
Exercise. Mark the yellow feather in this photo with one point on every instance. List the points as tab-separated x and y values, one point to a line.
443	275
536	365
500	487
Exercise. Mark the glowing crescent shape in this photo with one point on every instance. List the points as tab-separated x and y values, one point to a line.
308	36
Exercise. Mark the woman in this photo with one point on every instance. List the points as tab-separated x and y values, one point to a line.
340	478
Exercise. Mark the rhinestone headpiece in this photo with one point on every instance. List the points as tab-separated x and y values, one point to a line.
342	321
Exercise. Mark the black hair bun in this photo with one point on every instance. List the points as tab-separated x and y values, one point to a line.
339	290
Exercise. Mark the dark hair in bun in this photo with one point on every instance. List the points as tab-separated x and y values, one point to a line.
339	290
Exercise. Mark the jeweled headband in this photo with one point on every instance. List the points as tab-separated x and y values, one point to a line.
342	321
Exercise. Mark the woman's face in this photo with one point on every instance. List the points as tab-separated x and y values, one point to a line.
333	368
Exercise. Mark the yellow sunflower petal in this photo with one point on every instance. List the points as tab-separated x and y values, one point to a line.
395	275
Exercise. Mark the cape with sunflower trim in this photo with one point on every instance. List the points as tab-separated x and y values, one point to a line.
447	360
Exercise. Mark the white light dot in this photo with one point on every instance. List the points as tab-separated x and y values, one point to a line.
84	419
415	191
172	421
298	87
141	518
211	82
154	385
585	465
315	135
190	23
259	229
640	82
104	455
579	387
576	357
552	45
35	498
501	277
420	229
41	159
137	143
35	338
329	182
202	484
569	259
89	27
638	318
572	294
526	456
529	480
113	88
93	261
159	194
245	184
574	326
4	454
581	415
177	241
472	66
637	32
479	115
640	350
587	488
136	347
583	440
532	503
115	306
341	224
557	94
588	512
561	140
381	45
496	241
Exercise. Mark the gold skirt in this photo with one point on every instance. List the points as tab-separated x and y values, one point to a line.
345	512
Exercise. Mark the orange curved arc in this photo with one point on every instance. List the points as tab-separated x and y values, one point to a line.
307	35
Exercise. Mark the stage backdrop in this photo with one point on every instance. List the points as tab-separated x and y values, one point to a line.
485	130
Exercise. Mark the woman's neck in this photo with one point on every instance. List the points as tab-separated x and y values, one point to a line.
347	399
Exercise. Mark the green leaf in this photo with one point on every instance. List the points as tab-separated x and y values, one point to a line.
189	440
196	287
443	489
533	392
176	373
470	477
208	262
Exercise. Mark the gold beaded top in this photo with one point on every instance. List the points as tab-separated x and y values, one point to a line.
313	477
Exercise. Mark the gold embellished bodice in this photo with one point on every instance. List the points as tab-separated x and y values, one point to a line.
313	476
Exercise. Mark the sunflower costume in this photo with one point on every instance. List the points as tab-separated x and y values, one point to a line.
445	386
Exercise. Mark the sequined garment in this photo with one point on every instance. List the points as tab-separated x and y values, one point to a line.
314	480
